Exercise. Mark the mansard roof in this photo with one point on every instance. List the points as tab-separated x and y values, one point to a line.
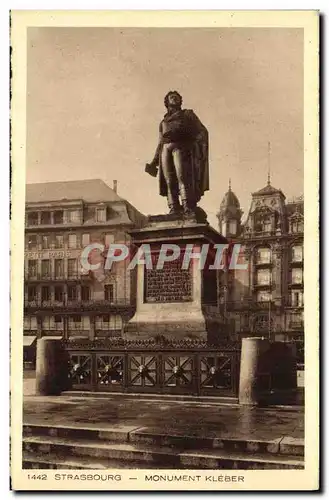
268	190
88	190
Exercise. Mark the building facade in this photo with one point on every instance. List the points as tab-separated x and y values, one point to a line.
61	297
267	298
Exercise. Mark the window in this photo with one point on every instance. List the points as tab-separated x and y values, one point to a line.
297	253
58	217
102	322
297	299
75	322
232	227
59	268
59	293
296	321
264	296
73	216
108	322
101	214
32	293
109	293
72	243
32	266
45	268
85	239
109	239
45	293
45	218
32	242
297	276
262	323
72	292
263	277
59	241
30	323
115	322
263	223
71	268
32	218
297	226
85	293
45	242
267	226
245	321
58	319
263	256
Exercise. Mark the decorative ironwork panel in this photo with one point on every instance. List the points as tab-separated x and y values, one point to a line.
216	371
109	370
146	367
143	370
178	371
80	369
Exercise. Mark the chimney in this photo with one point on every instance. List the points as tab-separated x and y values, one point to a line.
115	186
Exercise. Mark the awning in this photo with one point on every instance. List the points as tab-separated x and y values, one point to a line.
28	340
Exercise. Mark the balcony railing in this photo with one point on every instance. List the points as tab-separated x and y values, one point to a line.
264	304
31	303
46	303
99	333
31	222
296	284
263	263
79	304
293	303
296	325
252	304
296	262
53	277
269	284
52	331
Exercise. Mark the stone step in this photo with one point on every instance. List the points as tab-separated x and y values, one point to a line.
154	437
280	446
116	433
107	450
161	457
56	461
229	400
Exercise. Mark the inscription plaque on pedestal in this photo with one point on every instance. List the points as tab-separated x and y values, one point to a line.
170	284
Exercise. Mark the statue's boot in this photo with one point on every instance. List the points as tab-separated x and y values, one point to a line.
174	205
187	208
175	209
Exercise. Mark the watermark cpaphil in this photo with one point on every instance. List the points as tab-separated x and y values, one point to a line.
98	259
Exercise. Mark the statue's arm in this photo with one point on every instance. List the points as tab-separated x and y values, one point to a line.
156	159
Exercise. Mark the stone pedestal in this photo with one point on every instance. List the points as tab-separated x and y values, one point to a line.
51	367
176	303
251	370
268	372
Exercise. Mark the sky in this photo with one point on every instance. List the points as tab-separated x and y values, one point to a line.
95	101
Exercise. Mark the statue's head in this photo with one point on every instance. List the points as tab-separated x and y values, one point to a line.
173	98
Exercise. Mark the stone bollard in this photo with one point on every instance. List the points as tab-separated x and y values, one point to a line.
252	369
51	366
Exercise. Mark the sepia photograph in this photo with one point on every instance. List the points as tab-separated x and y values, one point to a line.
164	250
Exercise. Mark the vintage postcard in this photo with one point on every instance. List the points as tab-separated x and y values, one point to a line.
165	250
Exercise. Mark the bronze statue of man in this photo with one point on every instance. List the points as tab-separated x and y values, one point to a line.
182	157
